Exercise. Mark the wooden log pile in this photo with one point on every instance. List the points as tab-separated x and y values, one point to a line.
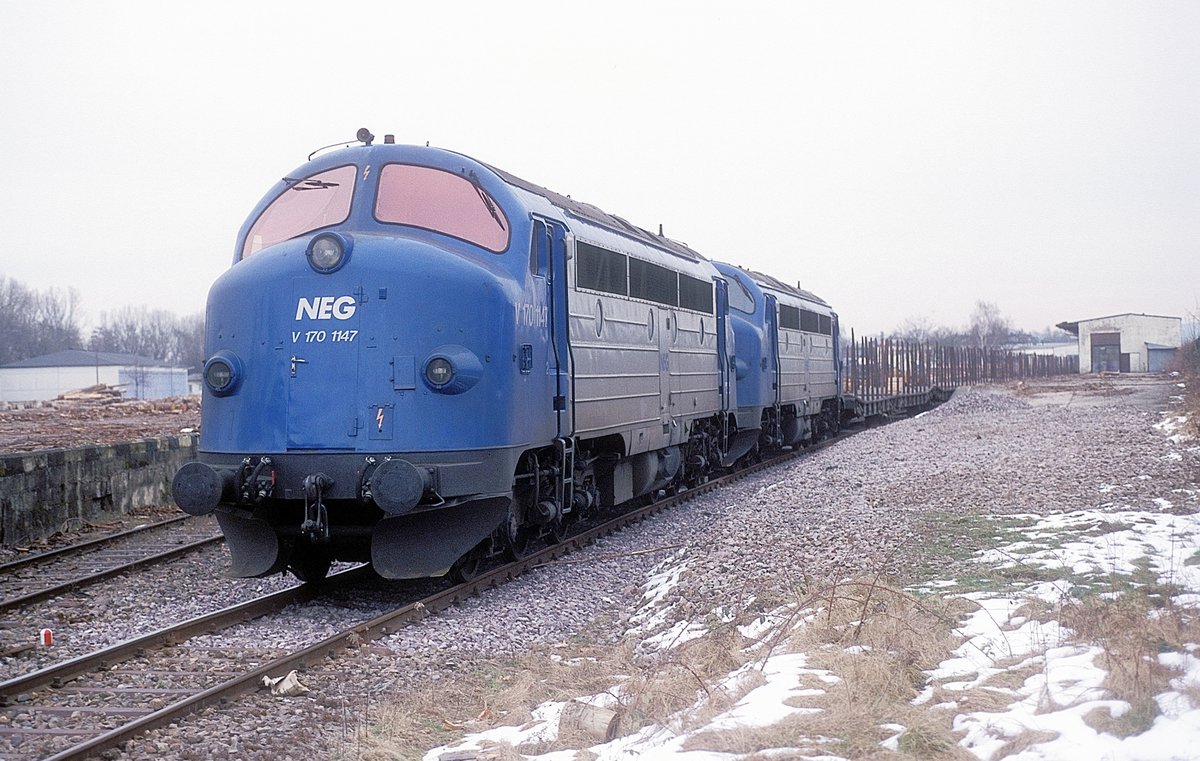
101	392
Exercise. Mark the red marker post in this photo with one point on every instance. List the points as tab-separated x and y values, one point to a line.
47	637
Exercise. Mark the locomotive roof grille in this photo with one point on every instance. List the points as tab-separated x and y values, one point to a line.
599	216
779	285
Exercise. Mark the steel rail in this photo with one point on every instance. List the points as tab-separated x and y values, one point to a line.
83	581
60	673
13	565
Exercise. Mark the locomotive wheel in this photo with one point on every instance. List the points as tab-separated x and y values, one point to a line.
520	545
311	567
754	456
559	529
467	567
517	537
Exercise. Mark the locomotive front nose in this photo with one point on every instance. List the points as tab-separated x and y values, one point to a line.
198	488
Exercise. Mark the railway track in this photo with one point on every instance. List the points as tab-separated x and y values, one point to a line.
40	577
63	710
78	708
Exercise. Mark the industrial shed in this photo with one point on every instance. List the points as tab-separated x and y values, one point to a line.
48	376
1126	343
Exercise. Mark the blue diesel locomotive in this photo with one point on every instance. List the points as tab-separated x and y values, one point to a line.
420	361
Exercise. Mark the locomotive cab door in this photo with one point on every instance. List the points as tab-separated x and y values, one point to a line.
724	362
666	341
776	368
552	249
323	363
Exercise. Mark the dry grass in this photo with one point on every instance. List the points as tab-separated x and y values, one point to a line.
492	692
1192	427
878	640
1014	676
648	691
1187	363
1132	629
678	678
795	732
1023	741
871	614
891	636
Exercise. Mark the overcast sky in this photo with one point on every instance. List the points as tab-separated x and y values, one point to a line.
899	159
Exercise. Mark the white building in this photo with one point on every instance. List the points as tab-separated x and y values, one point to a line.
1126	343
45	377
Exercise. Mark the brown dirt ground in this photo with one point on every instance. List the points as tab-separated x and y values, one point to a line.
64	423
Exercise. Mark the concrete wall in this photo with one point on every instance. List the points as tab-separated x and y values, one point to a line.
44	492
1136	331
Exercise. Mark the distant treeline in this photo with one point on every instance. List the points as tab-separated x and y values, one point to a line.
34	322
987	329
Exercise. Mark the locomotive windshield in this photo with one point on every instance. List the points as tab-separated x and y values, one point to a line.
308	204
740	298
443	202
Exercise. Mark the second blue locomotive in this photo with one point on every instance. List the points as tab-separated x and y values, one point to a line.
419	360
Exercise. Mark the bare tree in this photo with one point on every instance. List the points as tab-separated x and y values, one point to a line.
1191	325
58	320
190	337
33	322
16	306
989	328
921	328
157	334
916	328
40	322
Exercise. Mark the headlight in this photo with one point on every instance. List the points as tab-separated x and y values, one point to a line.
452	369
222	373
328	251
439	371
218	375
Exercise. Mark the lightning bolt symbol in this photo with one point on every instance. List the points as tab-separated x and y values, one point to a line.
379	418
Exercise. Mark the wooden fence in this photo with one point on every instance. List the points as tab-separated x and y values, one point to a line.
878	367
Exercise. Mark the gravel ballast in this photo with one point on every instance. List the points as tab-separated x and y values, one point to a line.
866	506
